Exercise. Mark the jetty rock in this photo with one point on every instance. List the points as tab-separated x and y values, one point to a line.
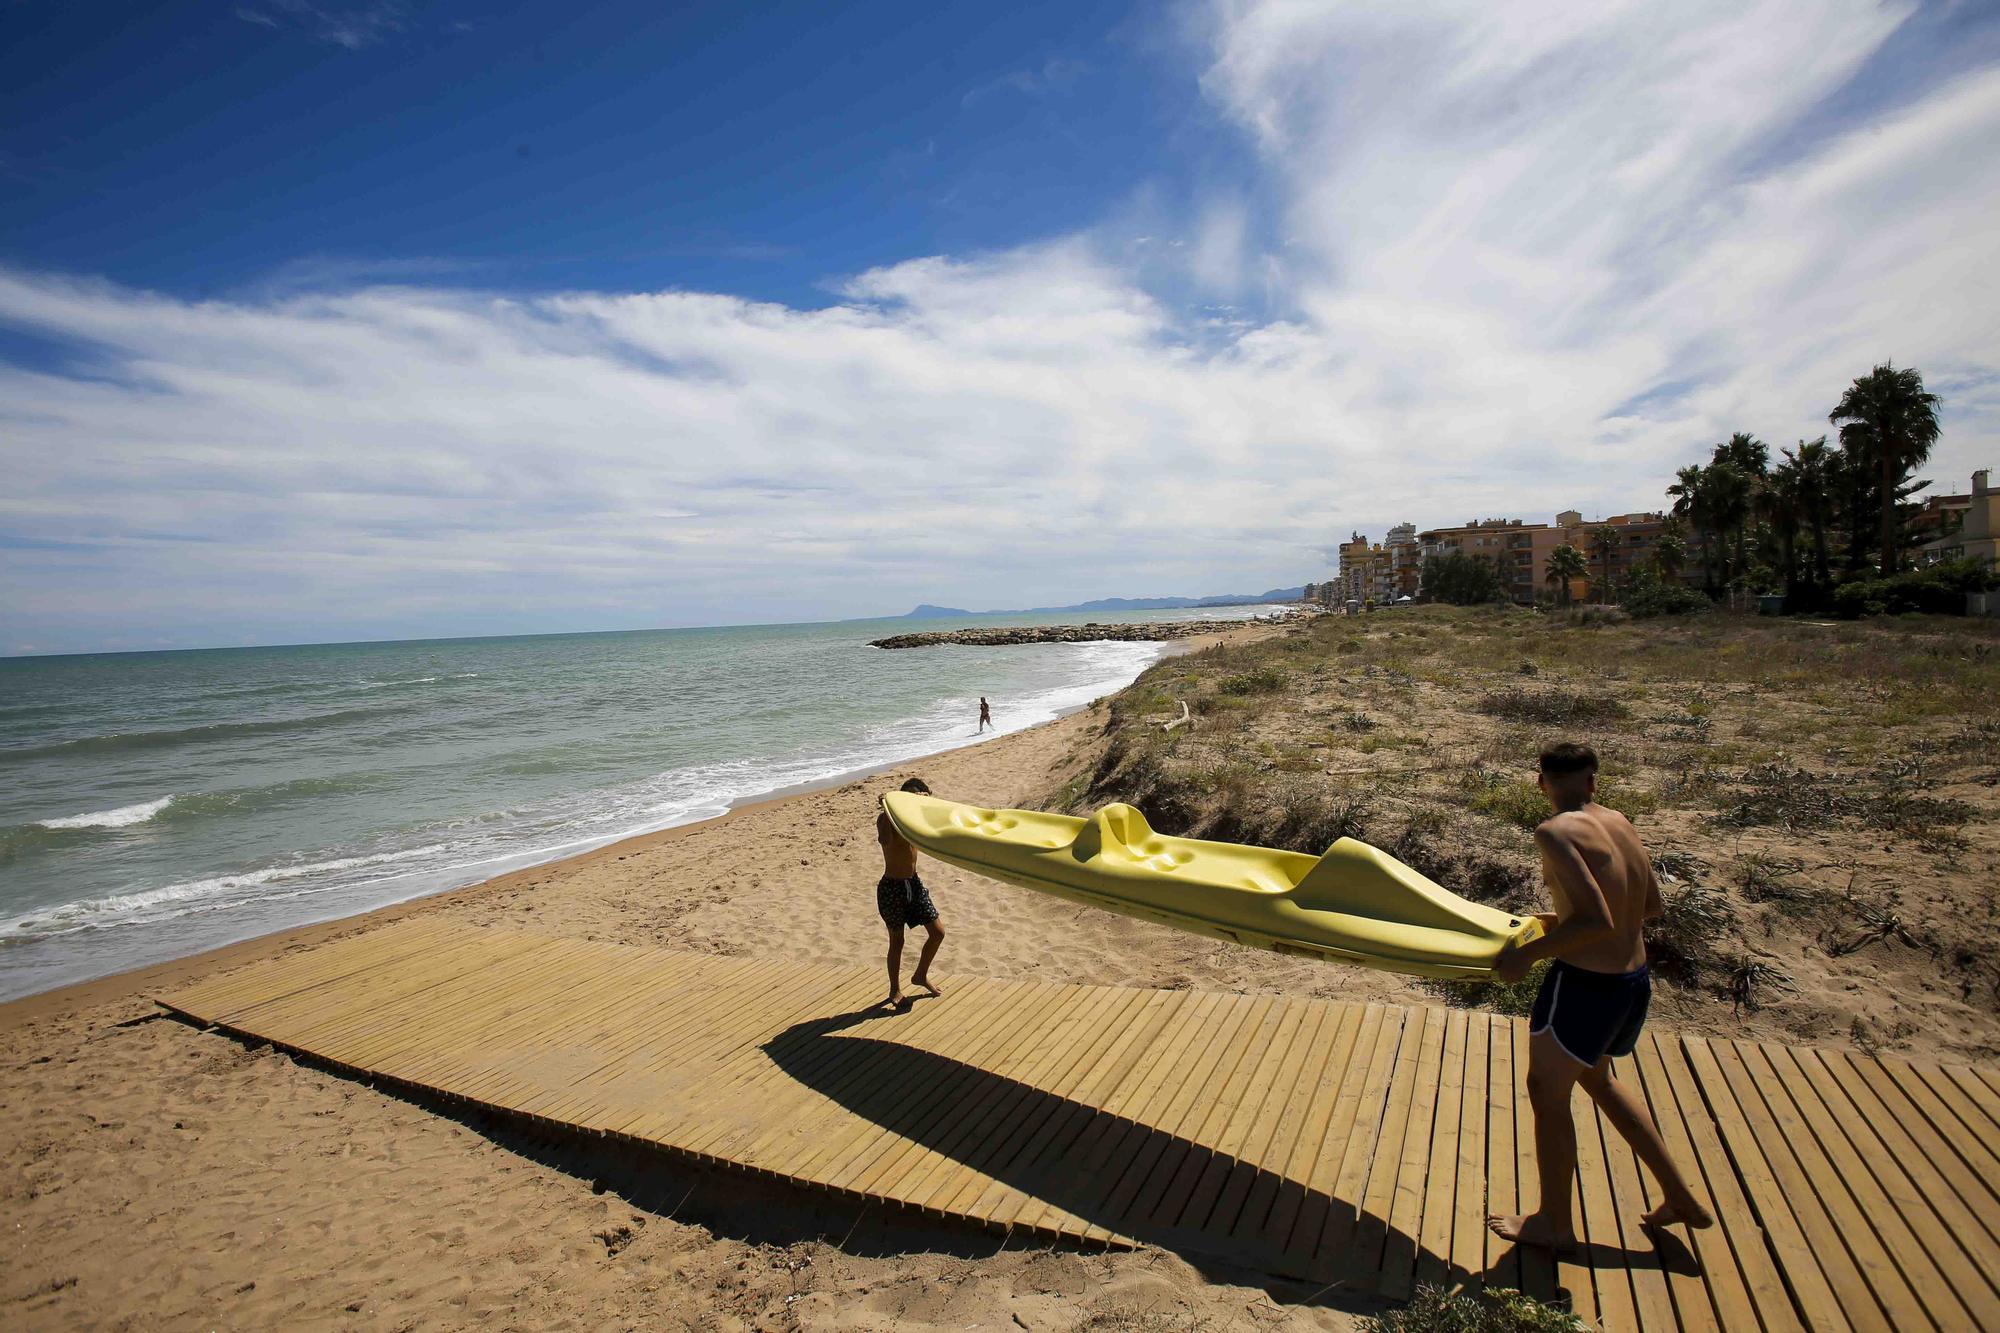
1091	632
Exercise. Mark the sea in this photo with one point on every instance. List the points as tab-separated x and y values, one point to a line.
153	805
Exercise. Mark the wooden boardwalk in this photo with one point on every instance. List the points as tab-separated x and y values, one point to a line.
1362	1144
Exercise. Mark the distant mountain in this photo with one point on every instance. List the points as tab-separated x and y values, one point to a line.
928	612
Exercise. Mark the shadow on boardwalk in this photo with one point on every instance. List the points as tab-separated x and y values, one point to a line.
1117	1175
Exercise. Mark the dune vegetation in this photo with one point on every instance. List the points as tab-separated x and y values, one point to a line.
1820	798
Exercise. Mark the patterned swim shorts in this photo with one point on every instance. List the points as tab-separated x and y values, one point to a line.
904	902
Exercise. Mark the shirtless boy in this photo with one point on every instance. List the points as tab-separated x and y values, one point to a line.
902	900
1592	1003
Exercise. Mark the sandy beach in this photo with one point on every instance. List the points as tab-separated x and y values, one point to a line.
158	1176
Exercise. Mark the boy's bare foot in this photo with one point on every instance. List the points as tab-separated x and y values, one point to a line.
1687	1210
926	985
895	1001
1532	1229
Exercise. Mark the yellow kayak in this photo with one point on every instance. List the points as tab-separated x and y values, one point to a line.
1355	904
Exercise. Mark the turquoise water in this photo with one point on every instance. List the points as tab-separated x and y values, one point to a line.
156	804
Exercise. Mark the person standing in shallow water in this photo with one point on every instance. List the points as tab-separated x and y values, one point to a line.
985	715
902	900
1592	1003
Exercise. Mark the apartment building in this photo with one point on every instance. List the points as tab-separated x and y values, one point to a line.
1977	534
1521	550
1635	537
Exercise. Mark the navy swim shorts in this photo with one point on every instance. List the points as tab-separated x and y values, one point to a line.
1592	1014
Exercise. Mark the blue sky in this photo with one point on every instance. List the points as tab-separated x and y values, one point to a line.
208	149
325	320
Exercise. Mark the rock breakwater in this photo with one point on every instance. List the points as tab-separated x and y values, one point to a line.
1092	632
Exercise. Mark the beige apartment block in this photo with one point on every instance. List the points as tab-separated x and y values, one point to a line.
1978	534
1522	549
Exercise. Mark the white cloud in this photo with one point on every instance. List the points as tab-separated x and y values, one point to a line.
1536	257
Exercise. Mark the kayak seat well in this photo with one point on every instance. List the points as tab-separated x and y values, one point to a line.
1001	824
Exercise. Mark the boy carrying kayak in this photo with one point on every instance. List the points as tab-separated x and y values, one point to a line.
1592	1003
902	900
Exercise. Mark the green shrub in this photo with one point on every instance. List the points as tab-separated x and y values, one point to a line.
1648	595
1936	590
1496	1310
1513	801
1462	580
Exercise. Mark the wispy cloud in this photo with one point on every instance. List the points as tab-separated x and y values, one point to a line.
1530	263
1051	76
348	26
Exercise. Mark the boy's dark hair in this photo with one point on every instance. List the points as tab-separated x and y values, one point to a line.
1566	757
916	785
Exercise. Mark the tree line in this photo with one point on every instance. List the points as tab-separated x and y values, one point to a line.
1825	523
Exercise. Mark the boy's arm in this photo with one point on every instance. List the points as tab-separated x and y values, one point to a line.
1588	918
1655	906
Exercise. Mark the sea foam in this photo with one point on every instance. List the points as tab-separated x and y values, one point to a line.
123	817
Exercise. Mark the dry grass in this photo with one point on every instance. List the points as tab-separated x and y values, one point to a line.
1791	757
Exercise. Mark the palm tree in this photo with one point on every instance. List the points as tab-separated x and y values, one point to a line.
1691	503
1731	495
1603	545
1670	550
1889	411
1565	563
1736	473
1813	463
1746	453
1781	506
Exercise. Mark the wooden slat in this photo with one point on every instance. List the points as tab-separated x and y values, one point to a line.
1275	1066
1105	1152
987	1143
1500	1263
1086	1103
1324	1237
1736	1206
1325	1141
1830	1187
1232	1108
1034	1113
1274	1202
1244	1199
1927	1202
1709	1293
1541	1276
1406	1172
1468	1228
1154	1149
1433	1259
1892	1215
1598	1221
1629	1201
1870	1079
1968	1132
1798	1231
1978	1093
